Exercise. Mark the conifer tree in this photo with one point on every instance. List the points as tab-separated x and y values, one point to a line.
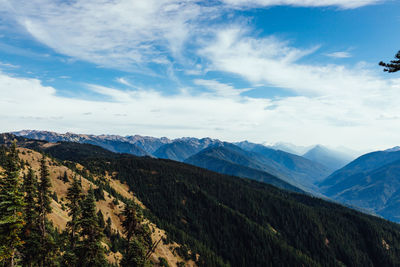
44	208
100	218
131	221
11	205
3	156
107	229
74	197
135	252
31	233
65	177
90	249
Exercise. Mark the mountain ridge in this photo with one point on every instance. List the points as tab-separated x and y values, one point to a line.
371	182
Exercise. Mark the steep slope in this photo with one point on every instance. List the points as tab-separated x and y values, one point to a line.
220	159
372	182
59	215
290	168
243	222
332	159
183	148
306	170
358	167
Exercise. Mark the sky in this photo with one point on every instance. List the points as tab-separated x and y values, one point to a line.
298	71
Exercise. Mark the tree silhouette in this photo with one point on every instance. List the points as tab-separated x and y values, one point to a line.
393	66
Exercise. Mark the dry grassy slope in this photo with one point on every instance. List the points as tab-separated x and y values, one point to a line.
59	217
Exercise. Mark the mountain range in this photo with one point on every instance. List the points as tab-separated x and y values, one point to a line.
244	159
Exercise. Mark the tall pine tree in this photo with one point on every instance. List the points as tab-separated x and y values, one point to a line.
131	221
74	197
44	208
135	252
11	206
90	248
31	234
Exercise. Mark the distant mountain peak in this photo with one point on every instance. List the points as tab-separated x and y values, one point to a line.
330	158
393	149
288	147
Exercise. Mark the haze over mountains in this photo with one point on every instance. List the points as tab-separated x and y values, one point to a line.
330	158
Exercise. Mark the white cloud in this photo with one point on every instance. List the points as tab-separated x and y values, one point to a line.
357	123
339	54
334	102
275	63
36	106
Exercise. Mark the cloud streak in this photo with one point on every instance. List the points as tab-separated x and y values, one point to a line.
339	54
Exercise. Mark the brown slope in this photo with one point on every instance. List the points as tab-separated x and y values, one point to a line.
59	215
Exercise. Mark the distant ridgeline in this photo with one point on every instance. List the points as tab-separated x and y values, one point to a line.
371	182
244	159
223	220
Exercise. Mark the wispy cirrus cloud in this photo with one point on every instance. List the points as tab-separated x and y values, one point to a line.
339	54
110	33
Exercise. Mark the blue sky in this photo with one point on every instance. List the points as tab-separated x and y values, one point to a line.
299	71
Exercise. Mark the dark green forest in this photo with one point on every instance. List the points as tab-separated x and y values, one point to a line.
232	221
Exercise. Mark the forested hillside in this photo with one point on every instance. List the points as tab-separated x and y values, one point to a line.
225	220
53	215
